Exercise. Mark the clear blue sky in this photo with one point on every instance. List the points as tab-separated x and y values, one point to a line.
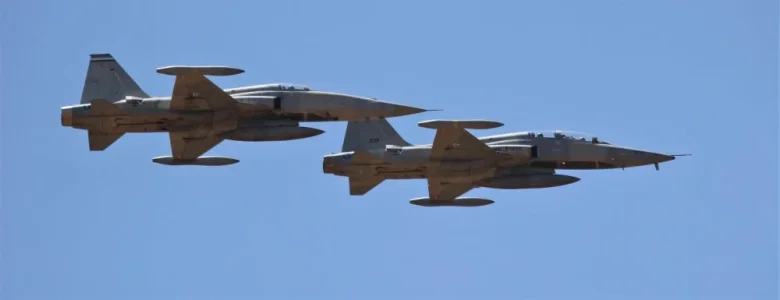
671	76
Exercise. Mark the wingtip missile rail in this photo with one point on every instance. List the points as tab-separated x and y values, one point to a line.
211	161
466	124
458	202
205	70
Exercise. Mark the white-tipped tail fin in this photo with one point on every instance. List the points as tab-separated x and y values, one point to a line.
106	79
371	134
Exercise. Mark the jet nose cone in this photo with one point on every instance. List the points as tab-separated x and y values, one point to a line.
397	110
659	158
403	110
66	117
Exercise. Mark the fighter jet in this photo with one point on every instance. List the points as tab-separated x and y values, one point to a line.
458	162
199	115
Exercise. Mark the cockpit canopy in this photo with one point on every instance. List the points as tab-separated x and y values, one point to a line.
565	135
268	87
293	87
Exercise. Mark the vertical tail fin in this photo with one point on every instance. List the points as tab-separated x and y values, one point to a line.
371	134
106	79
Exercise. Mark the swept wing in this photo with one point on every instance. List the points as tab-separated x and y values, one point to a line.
192	91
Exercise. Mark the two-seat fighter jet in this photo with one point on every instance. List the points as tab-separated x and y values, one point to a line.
199	115
457	161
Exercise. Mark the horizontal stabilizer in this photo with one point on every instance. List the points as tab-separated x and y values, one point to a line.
360	185
460	202
203	70
102	107
465	124
99	141
200	161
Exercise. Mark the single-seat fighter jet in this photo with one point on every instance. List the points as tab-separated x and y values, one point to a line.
457	161
199	115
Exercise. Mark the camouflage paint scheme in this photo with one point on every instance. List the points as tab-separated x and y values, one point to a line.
199	115
457	161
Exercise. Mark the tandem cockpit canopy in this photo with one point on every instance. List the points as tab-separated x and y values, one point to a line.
267	87
292	87
565	135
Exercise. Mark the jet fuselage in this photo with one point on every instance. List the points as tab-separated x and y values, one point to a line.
199	115
265	113
528	160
